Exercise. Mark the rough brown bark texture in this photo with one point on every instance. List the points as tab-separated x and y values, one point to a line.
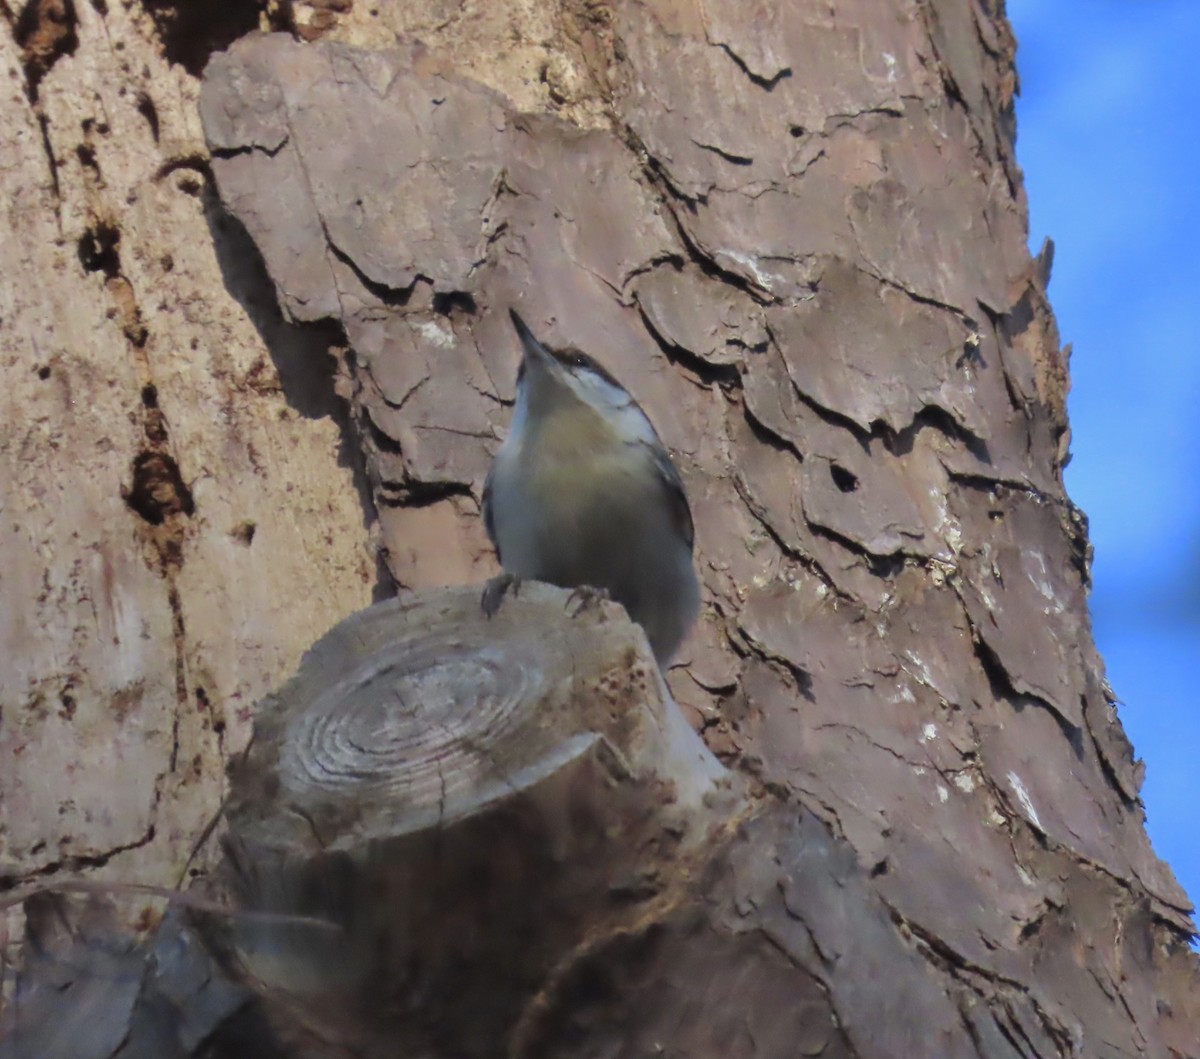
797	233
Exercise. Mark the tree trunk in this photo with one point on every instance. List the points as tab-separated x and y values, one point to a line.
257	360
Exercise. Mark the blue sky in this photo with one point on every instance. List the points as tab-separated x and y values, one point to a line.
1109	139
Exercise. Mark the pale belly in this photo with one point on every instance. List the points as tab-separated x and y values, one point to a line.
593	522
578	523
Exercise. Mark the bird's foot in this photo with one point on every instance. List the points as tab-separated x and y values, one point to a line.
495	591
585	597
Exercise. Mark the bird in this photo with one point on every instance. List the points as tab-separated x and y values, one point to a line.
583	494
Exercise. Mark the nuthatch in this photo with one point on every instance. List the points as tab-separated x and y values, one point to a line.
583	494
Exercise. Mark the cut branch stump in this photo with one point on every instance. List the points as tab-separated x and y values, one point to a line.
464	802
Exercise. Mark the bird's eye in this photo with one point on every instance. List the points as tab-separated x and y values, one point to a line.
578	360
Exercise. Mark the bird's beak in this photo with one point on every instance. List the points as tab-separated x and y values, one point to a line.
535	352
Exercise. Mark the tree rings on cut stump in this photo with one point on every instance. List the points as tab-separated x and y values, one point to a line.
452	792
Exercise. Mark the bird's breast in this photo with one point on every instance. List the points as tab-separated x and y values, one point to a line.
578	504
572	501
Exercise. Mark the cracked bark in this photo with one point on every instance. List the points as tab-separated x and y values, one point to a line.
798	236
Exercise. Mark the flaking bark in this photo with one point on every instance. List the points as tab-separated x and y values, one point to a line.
797	233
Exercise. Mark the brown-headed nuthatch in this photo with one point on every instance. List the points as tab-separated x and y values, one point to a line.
583	494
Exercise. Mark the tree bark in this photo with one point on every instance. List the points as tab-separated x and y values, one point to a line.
245	358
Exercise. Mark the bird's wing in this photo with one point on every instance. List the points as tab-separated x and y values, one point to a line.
635	422
677	501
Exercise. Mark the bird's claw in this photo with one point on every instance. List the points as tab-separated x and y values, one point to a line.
585	597
495	591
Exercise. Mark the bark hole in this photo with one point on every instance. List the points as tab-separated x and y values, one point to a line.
45	31
158	490
845	480
97	249
191	32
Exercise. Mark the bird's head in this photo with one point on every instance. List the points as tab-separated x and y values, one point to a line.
550	379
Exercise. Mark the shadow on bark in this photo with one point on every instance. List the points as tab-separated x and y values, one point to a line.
308	357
